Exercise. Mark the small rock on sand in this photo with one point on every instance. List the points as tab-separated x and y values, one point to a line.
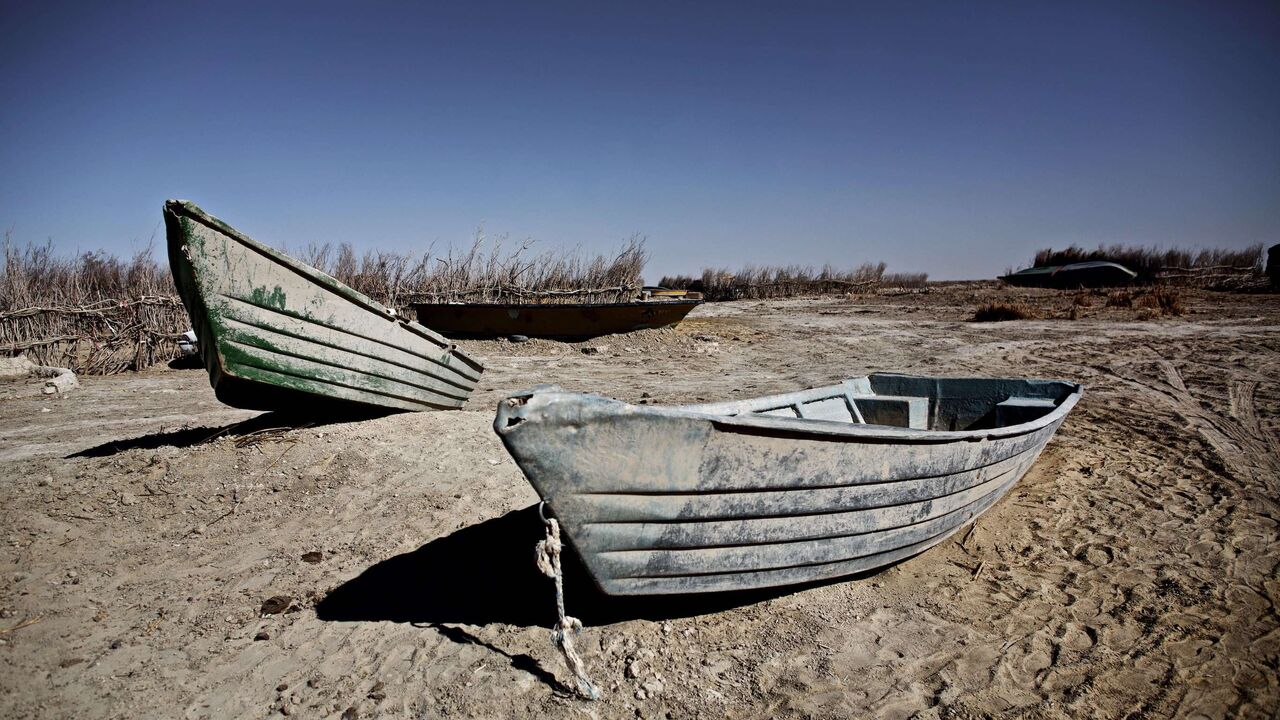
14	368
276	604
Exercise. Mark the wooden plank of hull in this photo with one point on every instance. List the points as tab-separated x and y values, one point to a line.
838	522
660	500
731	581
570	321
277	334
665	562
866	517
262	341
412	358
699	505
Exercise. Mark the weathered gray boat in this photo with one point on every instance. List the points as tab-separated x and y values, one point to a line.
776	490
276	334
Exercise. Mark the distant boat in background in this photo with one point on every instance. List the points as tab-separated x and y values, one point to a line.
665	293
276	334
1096	273
563	321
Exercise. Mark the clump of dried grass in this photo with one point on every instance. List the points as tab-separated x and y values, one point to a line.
1120	298
1162	301
758	282
93	313
1000	311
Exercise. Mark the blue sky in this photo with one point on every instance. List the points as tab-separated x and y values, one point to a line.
951	138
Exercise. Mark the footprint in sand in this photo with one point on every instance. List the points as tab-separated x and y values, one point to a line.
1077	636
1094	554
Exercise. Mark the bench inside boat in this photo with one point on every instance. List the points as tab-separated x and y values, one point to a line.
906	401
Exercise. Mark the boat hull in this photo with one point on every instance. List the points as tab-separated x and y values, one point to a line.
1069	277
276	334
665	501
564	321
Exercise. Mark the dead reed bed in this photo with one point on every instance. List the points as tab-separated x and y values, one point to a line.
93	313
1212	268
489	271
759	282
99	314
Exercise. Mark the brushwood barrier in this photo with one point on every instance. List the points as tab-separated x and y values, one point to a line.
99	338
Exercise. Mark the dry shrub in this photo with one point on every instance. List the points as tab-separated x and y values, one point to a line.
93	313
1081	300
753	283
1000	311
1122	298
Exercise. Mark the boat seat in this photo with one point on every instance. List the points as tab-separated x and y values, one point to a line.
851	402
893	410
1017	410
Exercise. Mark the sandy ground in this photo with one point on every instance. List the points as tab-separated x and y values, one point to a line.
1132	573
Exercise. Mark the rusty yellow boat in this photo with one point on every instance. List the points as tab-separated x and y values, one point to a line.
277	334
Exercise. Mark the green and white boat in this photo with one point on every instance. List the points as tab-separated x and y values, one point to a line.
276	334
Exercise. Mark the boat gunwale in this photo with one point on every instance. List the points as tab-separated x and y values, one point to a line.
833	430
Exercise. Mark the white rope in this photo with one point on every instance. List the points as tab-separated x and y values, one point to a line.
548	559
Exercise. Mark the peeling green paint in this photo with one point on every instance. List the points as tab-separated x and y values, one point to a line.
275	299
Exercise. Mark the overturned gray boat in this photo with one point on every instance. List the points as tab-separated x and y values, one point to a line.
776	490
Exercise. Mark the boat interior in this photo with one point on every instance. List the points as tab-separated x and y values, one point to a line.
907	401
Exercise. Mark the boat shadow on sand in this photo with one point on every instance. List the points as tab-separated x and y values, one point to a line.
264	424
485	573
